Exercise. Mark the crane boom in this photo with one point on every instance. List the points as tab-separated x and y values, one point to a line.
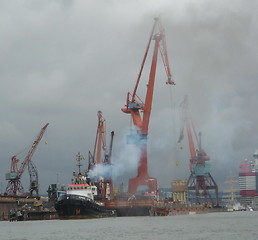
100	141
133	103
32	150
163	51
99	145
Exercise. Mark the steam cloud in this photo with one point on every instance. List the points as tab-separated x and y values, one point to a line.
125	161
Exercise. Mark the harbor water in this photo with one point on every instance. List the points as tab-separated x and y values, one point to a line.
209	226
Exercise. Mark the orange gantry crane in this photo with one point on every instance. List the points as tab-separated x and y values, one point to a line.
14	186
200	179
101	156
135	106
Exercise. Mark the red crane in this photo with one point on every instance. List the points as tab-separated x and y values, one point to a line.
14	186
97	158
135	106
200	179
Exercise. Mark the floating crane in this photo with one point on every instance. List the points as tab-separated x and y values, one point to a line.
101	156
135	106
14	186
200	179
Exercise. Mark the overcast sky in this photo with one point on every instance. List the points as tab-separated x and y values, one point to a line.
62	61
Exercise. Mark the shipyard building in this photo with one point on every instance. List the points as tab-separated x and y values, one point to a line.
248	182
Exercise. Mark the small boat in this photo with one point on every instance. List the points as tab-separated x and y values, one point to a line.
78	201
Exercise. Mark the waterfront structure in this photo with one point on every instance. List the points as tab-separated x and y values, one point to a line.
248	181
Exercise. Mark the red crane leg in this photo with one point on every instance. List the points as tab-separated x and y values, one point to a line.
143	178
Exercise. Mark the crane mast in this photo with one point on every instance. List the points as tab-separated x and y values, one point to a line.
34	183
135	106
200	179
107	189
109	155
14	186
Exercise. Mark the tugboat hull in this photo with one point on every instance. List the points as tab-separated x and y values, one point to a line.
71	206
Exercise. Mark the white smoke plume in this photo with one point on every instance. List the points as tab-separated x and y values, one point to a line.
123	162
